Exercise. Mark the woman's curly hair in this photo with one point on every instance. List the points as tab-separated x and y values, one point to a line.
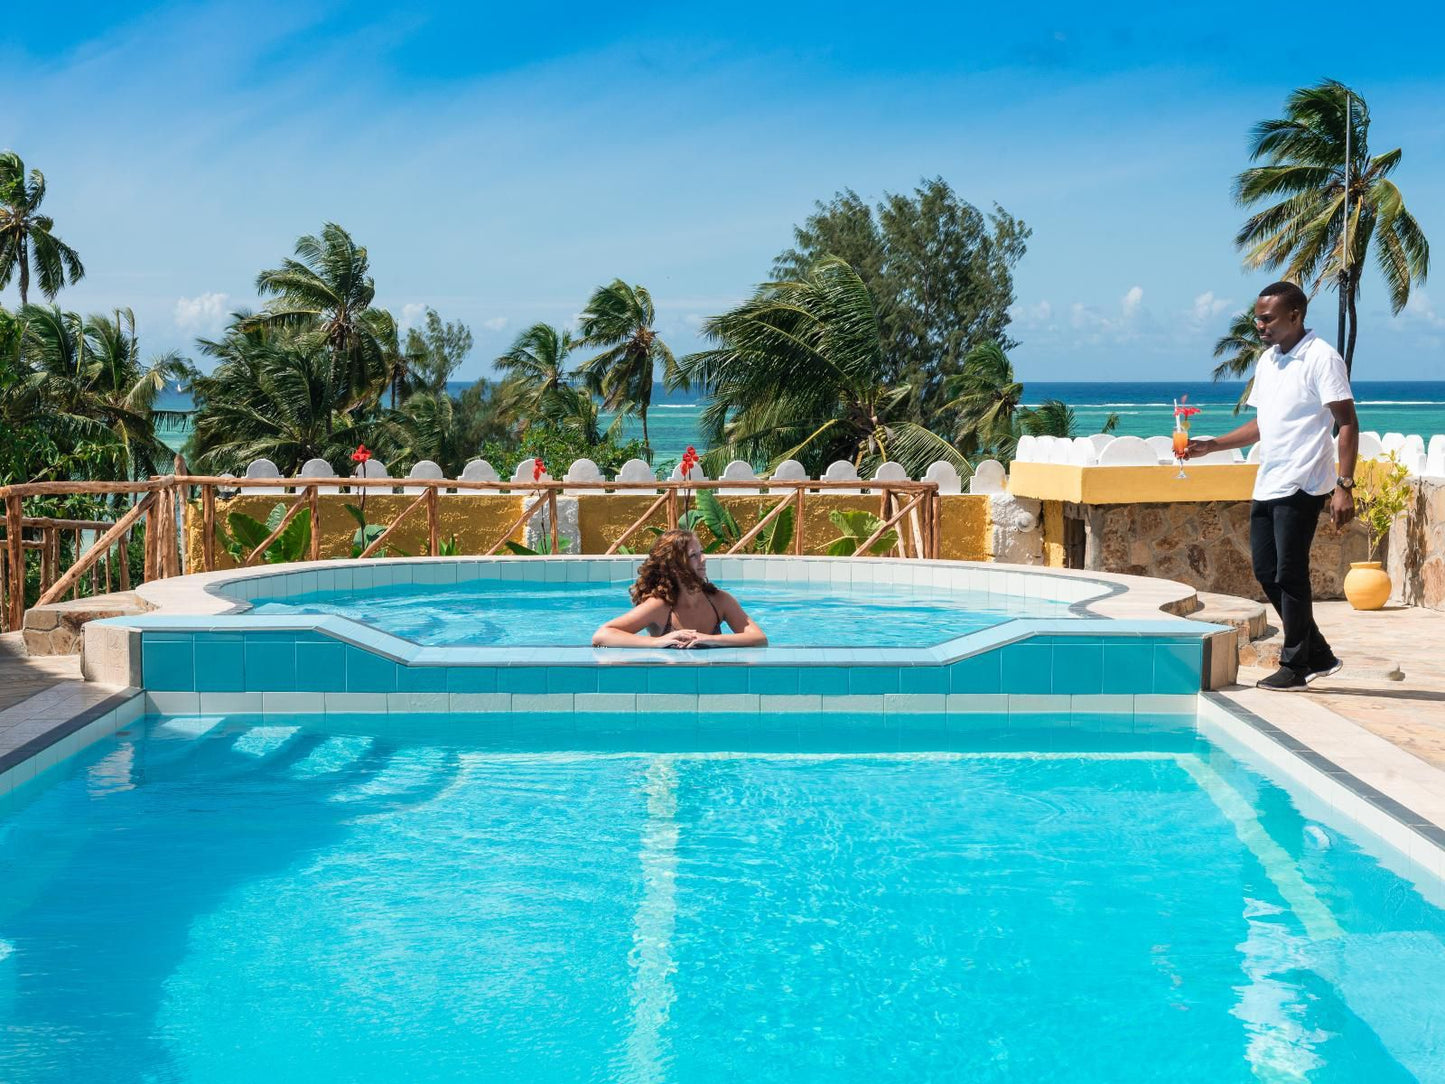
665	573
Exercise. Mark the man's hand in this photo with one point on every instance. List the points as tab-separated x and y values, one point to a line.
1342	507
1201	446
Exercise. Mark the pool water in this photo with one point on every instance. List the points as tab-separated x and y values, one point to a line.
382	899
528	613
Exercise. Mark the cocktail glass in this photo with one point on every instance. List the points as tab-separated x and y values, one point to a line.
1181	442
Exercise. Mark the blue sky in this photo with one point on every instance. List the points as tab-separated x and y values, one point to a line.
501	161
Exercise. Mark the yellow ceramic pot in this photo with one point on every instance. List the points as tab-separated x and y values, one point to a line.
1367	585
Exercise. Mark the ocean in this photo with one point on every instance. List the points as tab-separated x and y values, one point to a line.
1144	409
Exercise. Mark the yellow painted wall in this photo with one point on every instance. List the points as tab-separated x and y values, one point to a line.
1132	485
964	529
1054	534
475	520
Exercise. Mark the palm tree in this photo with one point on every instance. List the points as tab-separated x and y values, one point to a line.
535	368
326	293
1051	418
1239	348
800	372
27	240
86	379
278	397
1303	180
985	397
619	320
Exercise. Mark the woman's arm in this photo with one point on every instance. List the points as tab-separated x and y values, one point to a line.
746	632
627	630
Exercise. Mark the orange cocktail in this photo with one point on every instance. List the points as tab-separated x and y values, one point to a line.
1182	413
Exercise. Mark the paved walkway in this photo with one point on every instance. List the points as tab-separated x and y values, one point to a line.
1410	711
21	677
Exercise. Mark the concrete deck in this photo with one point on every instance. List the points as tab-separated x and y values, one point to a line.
1408	711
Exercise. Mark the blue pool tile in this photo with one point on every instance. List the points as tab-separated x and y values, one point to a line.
572	679
421	679
977	674
471	679
521	679
220	663
722	679
622	679
779	680
923	679
270	663
1176	667
320	666
1028	668
872	680
368	673
1128	666
823	680
672	679
168	664
1078	668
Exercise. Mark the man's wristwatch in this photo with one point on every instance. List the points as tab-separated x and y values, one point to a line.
1344	483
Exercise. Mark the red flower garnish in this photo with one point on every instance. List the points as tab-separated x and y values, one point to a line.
690	459
538	469
361	455
1182	409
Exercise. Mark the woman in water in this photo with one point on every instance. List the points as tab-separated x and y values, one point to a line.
676	604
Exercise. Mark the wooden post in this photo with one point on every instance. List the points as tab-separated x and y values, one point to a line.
75	549
149	572
671	507
313	502
798	524
552	516
106	558
16	555
208	527
47	560
125	560
173	544
433	525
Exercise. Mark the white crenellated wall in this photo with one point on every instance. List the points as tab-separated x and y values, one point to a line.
1422	457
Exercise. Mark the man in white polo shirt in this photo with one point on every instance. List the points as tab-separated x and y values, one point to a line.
1301	390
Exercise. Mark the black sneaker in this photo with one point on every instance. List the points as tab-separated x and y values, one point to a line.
1319	670
1283	680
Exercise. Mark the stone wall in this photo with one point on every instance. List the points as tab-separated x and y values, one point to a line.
1205	545
1417	549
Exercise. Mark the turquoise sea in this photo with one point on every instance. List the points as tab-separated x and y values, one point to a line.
1144	409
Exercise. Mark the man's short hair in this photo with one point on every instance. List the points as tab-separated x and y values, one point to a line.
1293	296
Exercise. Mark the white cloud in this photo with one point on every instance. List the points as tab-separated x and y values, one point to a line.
1036	315
496	323
694	320
1206	306
1420	310
411	314
203	315
1131	301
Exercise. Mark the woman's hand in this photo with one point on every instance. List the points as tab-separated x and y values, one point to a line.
683	638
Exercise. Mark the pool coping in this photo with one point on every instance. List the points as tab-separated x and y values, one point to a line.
1100	604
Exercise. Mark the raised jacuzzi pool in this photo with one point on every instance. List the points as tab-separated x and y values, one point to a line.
503	634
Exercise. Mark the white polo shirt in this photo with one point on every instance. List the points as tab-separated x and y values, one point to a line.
1290	396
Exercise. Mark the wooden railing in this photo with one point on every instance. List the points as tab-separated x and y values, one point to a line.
910	508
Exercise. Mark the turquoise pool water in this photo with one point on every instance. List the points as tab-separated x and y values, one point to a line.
520	613
374	899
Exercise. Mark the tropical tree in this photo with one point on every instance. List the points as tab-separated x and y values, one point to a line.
435	351
325	295
1302	181
535	369
799	372
984	397
85	379
940	272
27	237
277	396
1239	349
618	320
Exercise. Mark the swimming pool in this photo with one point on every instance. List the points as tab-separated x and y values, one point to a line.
811	897
508	613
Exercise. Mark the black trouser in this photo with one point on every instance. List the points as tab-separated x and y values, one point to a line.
1280	533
